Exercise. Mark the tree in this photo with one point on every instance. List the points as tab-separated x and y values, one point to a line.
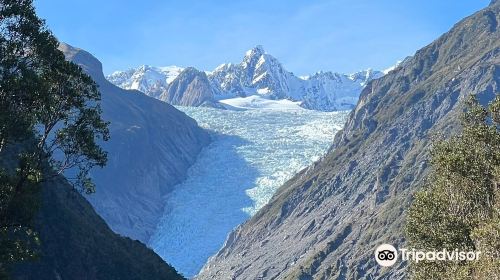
50	123
460	206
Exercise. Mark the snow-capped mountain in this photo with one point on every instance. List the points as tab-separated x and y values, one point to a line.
153	81
259	74
330	91
262	74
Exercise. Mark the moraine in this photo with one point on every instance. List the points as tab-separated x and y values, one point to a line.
253	153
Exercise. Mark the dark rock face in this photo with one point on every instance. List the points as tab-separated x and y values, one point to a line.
326	222
151	148
77	244
190	88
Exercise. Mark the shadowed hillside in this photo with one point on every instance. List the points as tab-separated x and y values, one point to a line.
77	244
152	146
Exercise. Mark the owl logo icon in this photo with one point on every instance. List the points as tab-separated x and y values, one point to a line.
386	255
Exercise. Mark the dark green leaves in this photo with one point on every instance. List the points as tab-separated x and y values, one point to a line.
50	123
459	209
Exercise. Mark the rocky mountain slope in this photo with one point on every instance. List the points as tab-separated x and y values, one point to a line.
258	74
152	145
326	222
77	244
190	88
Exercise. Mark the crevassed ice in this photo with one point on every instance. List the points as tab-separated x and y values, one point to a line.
253	153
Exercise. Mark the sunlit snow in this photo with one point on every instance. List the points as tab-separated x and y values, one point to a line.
259	102
253	152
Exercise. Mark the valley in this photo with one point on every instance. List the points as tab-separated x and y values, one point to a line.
213	160
253	152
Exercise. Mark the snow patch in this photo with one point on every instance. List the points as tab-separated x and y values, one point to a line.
386	71
258	102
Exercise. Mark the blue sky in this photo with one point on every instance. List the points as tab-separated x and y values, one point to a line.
305	35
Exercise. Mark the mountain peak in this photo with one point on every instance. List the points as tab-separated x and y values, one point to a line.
84	59
144	67
191	71
256	51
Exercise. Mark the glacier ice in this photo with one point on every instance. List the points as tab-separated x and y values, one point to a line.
253	152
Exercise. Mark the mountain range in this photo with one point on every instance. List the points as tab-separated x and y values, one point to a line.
259	74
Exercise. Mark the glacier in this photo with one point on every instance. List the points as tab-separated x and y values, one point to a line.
253	152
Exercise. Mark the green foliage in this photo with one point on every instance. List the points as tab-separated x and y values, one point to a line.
76	243
50	122
18	241
460	207
45	96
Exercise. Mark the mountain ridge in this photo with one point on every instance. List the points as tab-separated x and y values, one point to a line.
151	148
259	73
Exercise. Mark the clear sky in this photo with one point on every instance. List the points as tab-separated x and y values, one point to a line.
305	35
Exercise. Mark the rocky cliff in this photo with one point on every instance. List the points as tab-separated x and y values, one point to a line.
326	222
190	88
152	145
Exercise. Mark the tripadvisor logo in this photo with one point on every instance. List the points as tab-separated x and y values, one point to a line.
387	255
